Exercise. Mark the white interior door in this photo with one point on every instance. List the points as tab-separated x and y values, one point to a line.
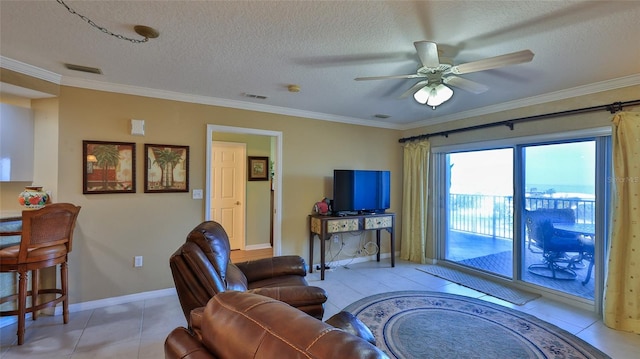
277	192
228	190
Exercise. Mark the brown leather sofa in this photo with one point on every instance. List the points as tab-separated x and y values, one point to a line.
201	269
239	325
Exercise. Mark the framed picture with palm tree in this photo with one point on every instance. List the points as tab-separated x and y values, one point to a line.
166	168
108	167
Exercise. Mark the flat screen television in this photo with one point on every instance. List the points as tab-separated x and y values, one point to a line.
361	191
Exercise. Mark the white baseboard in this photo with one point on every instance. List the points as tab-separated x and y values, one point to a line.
253	247
100	303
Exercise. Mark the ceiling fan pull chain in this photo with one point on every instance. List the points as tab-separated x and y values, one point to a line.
103	29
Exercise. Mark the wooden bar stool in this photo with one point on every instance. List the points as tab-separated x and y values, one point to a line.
45	242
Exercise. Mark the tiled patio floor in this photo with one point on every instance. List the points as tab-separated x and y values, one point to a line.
495	255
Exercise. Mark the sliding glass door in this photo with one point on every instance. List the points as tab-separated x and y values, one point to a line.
559	216
533	212
480	207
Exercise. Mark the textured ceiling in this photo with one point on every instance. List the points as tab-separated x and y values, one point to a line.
217	51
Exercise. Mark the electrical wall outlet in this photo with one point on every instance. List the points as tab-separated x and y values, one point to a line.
137	261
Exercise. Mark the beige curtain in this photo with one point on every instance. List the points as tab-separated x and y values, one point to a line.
414	201
622	289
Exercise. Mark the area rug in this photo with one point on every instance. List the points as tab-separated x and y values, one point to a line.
418	324
500	263
493	289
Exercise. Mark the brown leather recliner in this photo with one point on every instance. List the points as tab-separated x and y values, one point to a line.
201	269
237	325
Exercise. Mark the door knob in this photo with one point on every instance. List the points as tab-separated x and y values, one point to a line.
238	203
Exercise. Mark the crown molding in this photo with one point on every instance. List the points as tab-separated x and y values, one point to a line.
30	70
46	75
205	100
613	84
631	80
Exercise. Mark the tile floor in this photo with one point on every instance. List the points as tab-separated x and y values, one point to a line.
138	329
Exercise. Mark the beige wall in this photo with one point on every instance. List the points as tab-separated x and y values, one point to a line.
548	126
45	171
112	228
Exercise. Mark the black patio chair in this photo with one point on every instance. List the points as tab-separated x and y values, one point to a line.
561	251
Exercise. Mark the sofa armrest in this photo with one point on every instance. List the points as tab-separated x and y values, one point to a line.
180	344
296	296
352	325
273	267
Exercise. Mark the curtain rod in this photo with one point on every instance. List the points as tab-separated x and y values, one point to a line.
613	108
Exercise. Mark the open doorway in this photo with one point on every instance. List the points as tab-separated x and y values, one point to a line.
275	160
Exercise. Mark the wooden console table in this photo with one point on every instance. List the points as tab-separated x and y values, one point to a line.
326	226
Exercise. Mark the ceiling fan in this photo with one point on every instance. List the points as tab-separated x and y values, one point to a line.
433	90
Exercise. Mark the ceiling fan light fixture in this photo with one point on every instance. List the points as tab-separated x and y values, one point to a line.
439	95
422	95
433	95
437	72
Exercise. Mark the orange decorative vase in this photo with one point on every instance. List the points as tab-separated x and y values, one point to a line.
33	197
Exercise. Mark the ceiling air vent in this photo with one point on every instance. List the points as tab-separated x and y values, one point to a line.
259	97
91	70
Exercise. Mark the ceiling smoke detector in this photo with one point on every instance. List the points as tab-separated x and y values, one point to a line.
293	88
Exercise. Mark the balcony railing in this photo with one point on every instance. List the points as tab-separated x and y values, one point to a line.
493	215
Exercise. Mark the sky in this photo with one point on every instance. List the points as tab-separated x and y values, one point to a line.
565	167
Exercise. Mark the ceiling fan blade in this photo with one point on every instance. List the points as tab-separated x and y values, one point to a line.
412	76
414	88
465	84
492	62
428	53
